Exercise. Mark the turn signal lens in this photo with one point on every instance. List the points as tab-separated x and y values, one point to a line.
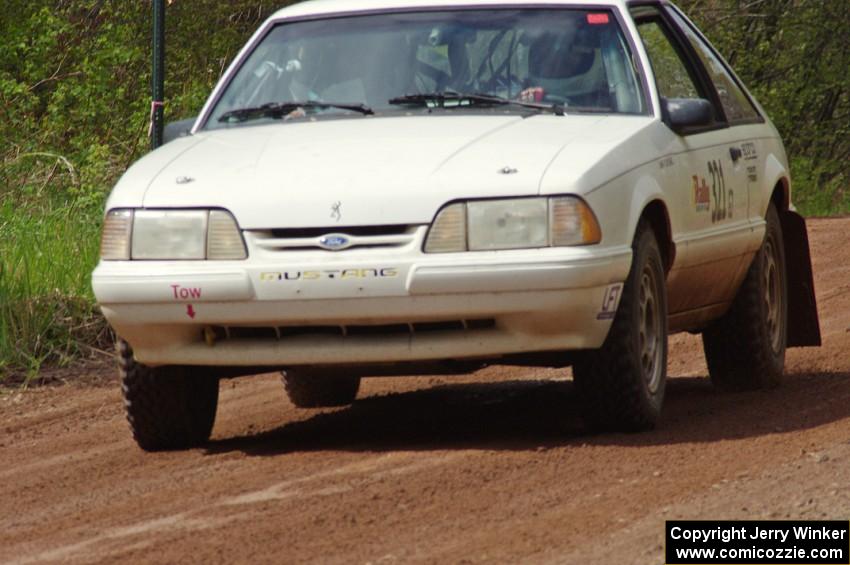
572	222
448	233
224	241
115	237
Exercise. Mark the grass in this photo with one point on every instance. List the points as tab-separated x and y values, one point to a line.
47	312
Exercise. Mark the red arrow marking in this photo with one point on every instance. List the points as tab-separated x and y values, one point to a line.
190	311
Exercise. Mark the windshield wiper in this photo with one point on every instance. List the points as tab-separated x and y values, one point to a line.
281	109
466	99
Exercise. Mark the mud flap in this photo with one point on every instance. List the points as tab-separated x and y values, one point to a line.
803	323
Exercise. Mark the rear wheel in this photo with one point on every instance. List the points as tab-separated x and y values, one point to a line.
745	349
167	407
621	385
319	390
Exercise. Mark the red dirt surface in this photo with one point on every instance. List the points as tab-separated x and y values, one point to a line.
495	467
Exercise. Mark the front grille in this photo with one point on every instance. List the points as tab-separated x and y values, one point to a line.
308	239
217	333
360	231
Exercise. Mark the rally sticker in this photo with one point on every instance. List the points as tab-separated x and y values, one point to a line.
702	198
610	302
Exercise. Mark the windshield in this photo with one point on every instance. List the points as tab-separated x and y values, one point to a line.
575	59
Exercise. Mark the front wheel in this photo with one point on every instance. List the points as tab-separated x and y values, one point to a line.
319	390
167	407
621	385
745	349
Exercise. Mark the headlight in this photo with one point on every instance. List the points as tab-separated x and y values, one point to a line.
171	235
508	224
518	223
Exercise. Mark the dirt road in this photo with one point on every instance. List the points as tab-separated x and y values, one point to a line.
492	468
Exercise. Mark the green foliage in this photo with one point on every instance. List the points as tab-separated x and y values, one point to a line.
75	82
69	86
831	192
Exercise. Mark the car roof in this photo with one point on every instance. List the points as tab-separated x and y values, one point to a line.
327	7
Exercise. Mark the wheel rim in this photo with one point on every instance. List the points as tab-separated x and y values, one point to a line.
649	333
772	294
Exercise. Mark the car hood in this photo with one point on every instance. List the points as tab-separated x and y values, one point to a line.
398	170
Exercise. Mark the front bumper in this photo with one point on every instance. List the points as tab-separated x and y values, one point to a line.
531	300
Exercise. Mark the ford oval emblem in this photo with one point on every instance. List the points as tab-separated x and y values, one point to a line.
335	242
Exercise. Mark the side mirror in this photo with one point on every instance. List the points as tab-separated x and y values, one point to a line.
681	114
173	130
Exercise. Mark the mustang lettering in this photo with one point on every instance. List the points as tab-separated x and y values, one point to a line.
335	274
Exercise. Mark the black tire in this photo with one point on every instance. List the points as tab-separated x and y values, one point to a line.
319	390
621	385
745	349
167	407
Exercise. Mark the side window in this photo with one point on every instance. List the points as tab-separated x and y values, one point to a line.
736	105
671	75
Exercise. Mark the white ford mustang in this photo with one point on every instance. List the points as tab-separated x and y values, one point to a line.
380	187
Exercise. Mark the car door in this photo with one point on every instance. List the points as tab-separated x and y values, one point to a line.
747	131
711	196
